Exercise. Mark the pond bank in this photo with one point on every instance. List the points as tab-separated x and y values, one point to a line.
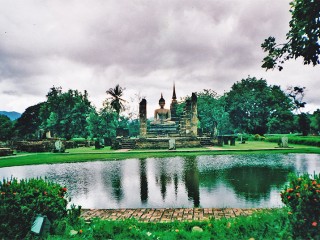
167	214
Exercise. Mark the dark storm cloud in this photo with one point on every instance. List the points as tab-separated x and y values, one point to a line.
145	45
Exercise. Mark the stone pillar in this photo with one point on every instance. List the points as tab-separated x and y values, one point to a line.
194	116
143	117
188	118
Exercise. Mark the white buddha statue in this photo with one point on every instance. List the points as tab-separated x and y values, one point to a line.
162	116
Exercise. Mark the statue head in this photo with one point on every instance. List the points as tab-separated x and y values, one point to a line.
162	102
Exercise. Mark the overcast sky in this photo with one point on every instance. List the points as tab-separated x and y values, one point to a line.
143	45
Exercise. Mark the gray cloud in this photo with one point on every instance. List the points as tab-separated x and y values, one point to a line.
141	44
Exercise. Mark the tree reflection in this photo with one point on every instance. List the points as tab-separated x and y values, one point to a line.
143	181
191	180
255	183
113	176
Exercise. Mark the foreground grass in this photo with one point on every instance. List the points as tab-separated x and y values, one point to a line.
90	154
268	224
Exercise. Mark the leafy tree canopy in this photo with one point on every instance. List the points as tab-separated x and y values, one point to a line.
6	127
251	103
116	100
303	38
211	112
65	113
102	124
29	122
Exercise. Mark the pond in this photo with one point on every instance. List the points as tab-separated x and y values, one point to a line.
240	181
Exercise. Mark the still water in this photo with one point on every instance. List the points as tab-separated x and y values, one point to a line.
243	181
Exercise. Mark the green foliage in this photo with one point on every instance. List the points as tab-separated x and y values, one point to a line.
302	196
21	201
6	128
116	102
281	118
211	112
304	124
65	114
302	38
315	122
102	124
29	123
302	140
255	107
263	225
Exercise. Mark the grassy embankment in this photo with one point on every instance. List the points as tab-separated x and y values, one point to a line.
90	154
263	225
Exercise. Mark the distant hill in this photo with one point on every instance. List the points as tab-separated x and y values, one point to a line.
11	115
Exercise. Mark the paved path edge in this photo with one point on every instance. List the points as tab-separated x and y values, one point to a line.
167	214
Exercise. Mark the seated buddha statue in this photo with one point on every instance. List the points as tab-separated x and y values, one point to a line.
162	116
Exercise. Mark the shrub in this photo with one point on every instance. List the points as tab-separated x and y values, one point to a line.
309	140
302	196
21	201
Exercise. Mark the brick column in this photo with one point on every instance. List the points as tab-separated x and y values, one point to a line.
143	117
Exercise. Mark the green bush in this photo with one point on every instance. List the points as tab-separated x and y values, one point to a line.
309	140
302	196
272	224
21	201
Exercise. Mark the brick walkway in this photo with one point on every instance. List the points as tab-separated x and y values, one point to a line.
166	214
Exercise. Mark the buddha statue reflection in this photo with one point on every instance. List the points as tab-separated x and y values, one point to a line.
162	116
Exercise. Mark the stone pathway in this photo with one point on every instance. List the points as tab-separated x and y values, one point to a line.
166	214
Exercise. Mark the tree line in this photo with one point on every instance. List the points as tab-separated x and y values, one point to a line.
251	106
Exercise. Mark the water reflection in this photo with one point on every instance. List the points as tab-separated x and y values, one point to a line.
143	181
254	183
204	181
191	180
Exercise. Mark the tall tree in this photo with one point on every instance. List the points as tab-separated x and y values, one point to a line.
281	118
315	122
65	113
303	38
6	128
211	112
116	100
102	124
248	105
304	123
28	125
256	107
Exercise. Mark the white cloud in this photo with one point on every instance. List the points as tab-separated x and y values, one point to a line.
143	45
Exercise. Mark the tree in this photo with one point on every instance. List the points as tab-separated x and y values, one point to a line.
315	121
304	123
65	114
255	107
302	38
248	105
102	124
116	102
297	95
28	125
211	112
281	119
6	128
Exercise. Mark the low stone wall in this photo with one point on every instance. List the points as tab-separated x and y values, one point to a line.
163	143
6	152
34	146
48	145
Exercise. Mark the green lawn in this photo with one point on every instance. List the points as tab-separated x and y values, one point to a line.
90	154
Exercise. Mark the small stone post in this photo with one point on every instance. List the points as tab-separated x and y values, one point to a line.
143	117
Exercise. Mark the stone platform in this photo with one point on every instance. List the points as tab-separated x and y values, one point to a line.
6	152
166	214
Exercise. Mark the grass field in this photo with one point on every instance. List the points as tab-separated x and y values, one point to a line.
90	154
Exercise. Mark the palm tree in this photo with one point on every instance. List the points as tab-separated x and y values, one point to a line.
116	100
